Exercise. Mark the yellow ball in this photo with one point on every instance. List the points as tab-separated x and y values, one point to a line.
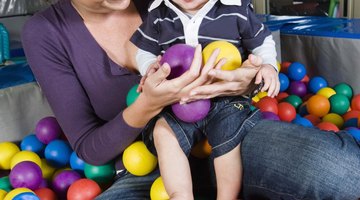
47	169
25	156
2	194
15	192
227	50
335	119
278	66
138	160
7	151
157	190
326	92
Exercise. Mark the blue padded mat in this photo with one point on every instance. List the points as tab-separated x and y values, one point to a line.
326	27
12	75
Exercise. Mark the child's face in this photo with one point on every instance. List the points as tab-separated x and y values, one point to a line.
190	6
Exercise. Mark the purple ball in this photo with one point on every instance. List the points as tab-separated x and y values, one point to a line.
193	111
47	129
297	88
270	116
26	174
63	180
179	57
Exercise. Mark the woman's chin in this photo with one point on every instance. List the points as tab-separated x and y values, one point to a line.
116	4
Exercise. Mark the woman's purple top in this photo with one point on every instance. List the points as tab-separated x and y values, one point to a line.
84	87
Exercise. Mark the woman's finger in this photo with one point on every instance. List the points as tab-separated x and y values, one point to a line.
160	75
210	64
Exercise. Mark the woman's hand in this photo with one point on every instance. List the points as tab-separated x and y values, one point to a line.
234	82
158	92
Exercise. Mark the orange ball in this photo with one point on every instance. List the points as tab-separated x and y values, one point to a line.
267	104
318	105
202	149
327	126
287	112
355	102
45	194
83	189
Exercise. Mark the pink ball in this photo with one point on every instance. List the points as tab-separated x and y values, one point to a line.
193	111
179	57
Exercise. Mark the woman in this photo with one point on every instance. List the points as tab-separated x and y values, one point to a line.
80	55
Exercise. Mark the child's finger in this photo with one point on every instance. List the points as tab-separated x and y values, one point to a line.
267	82
258	78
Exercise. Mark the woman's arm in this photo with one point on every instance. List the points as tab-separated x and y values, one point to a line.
95	140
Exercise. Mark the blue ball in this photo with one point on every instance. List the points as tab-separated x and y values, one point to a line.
296	71
32	143
284	82
26	196
355	132
76	163
316	83
302	121
58	153
352	122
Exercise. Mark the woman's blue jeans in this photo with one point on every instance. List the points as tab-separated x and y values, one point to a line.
280	161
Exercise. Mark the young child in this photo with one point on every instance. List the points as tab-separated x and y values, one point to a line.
200	22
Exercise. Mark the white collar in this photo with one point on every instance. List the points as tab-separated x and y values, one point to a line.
157	3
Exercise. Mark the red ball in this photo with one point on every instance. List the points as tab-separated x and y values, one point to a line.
355	102
287	112
267	104
45	194
281	96
284	66
351	114
313	119
327	126
83	189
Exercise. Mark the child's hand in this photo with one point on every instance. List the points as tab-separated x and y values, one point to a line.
152	68
271	79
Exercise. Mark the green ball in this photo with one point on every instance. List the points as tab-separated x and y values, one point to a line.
294	100
101	174
132	95
344	89
339	104
5	184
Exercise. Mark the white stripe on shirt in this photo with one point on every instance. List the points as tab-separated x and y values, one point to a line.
226	15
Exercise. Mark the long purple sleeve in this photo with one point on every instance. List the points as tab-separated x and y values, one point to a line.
85	88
